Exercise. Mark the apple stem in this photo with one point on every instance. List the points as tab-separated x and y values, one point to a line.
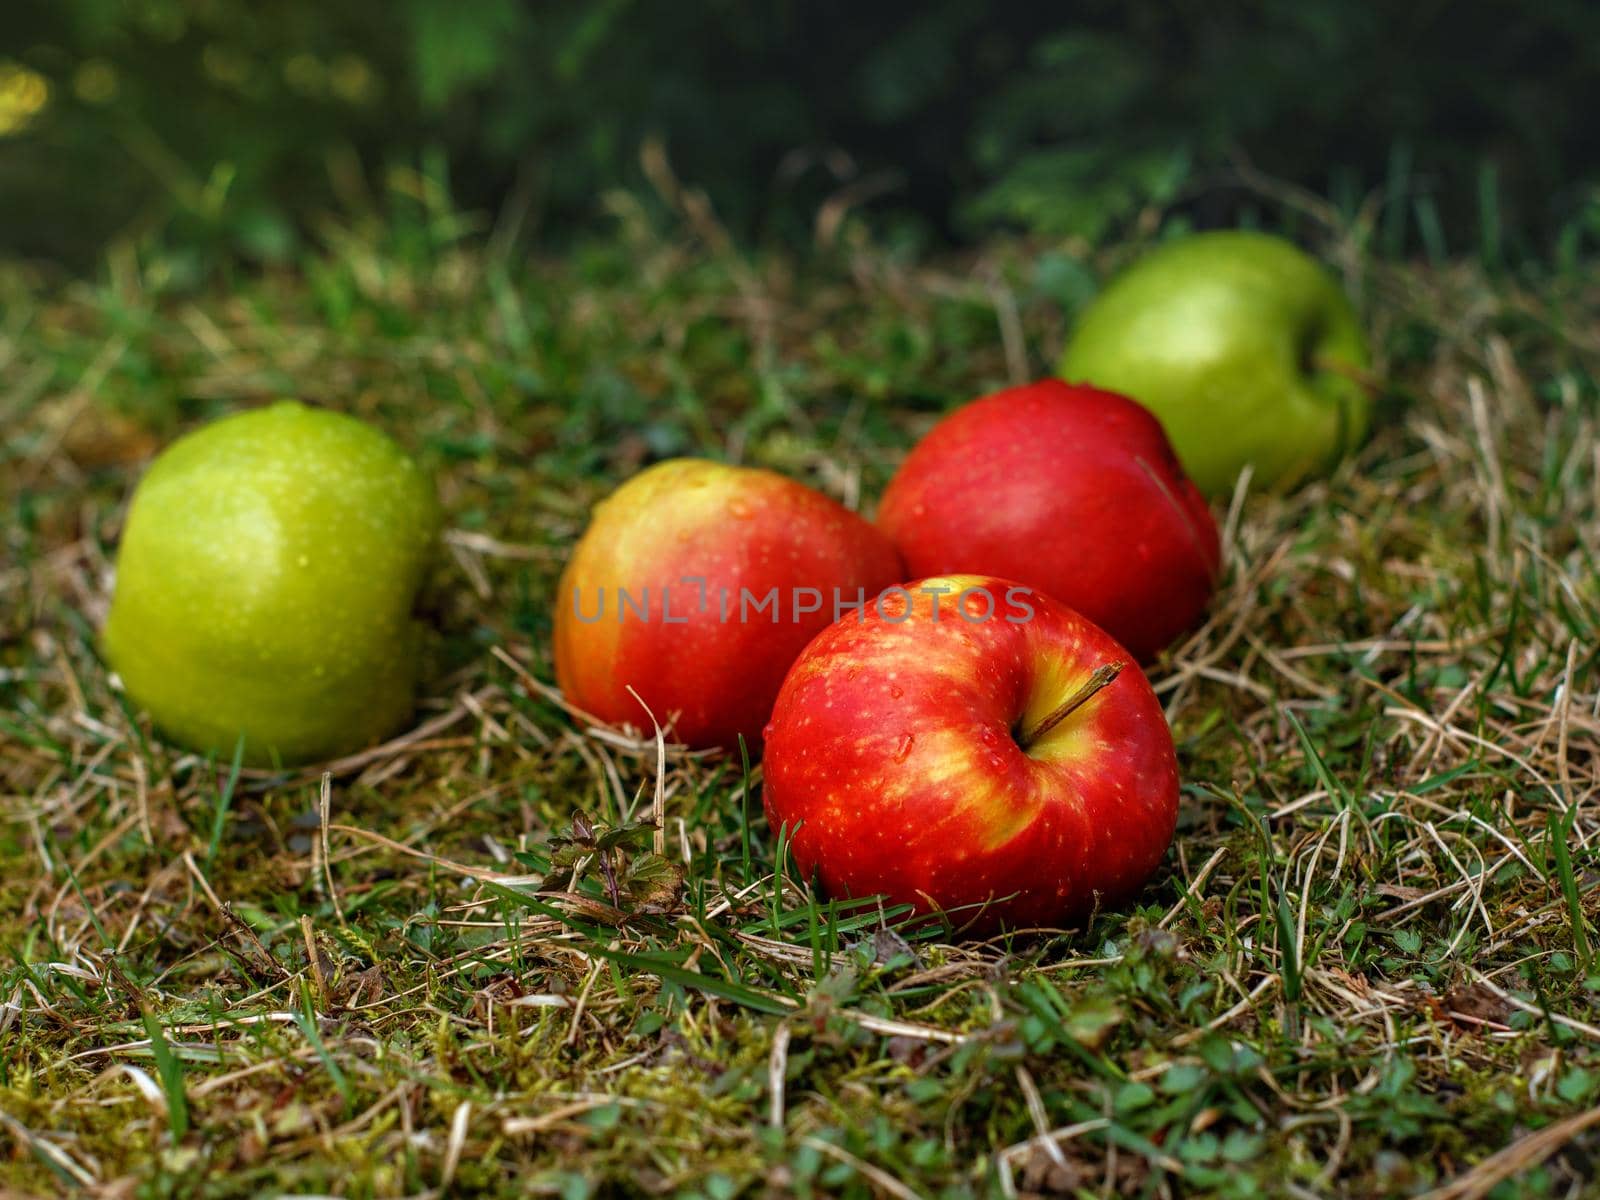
1102	676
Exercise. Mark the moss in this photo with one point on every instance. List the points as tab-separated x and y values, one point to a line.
1290	1002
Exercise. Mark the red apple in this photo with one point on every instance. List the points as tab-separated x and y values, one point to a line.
985	751
696	585
1070	490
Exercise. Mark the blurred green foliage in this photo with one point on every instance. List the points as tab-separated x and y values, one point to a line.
230	124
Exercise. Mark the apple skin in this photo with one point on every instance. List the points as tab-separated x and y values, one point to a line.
733	527
1244	347
265	583
1070	490
892	758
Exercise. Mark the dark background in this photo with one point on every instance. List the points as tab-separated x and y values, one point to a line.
236	125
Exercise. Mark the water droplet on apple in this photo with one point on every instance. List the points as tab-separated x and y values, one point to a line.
903	750
739	510
896	691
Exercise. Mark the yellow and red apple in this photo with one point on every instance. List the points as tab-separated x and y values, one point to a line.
1071	490
696	585
971	747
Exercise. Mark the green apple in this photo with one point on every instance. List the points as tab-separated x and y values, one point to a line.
1243	346
265	584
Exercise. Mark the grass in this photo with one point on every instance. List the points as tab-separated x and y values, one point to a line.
1364	970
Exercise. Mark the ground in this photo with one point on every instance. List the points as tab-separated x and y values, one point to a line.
1366	968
